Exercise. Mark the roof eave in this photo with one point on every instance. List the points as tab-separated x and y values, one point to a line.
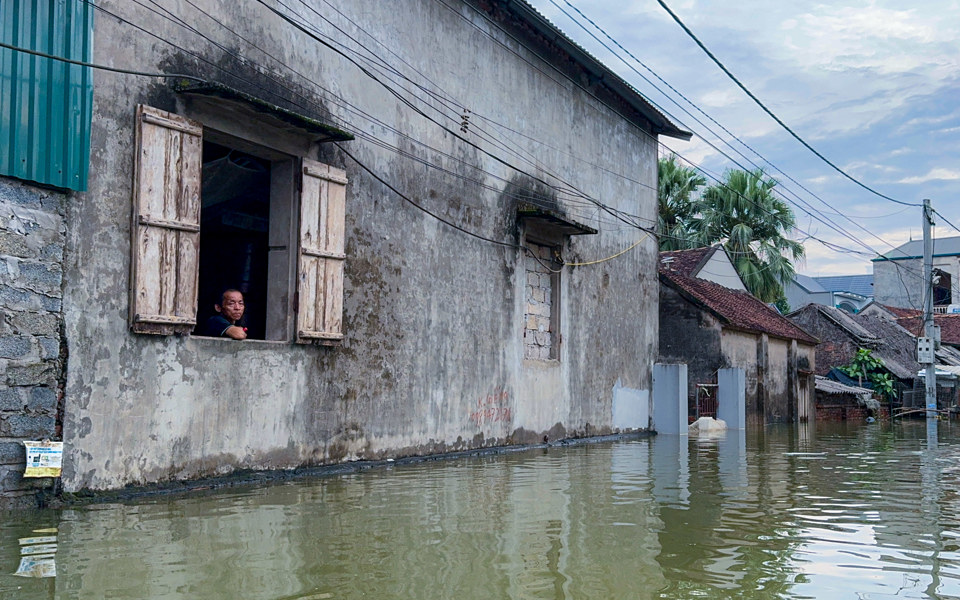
725	321
660	124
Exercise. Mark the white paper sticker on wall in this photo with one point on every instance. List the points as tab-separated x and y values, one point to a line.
44	459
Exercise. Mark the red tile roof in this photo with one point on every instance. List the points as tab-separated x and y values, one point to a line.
686	262
949	327
902	312
735	308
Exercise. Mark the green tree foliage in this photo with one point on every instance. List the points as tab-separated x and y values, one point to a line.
676	185
867	367
742	213
753	224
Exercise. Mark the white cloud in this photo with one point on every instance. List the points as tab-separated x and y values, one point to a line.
864	166
721	97
937	174
871	84
696	151
901	151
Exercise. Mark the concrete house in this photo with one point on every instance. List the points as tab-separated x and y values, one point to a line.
842	334
709	326
851	293
898	275
710	264
417	204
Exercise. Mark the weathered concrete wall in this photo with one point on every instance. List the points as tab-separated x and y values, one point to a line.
744	350
780	401
432	358
775	370
691	336
899	283
31	253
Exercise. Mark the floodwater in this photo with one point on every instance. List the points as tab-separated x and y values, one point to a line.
831	511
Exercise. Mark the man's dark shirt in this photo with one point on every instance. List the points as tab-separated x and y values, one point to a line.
216	326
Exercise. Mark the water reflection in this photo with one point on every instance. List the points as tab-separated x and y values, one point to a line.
809	512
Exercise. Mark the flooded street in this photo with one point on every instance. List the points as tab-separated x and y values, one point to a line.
831	511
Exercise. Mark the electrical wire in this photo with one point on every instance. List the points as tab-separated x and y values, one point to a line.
873	253
936	212
99	67
798	201
618	254
410	201
772	115
420	207
261	2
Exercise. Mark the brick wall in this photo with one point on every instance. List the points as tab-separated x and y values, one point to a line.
32	233
849	412
540	322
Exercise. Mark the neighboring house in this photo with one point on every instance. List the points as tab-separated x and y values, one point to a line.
851	293
708	327
891	313
839	402
842	334
949	327
898	275
400	242
711	263
804	290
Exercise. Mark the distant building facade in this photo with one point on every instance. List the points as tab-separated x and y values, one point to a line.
898	275
851	293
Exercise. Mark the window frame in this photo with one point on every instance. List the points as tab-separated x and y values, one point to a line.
555	242
290	176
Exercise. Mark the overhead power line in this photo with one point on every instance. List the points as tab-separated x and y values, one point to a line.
796	200
616	213
772	115
98	66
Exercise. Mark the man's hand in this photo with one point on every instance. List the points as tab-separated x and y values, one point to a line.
235	332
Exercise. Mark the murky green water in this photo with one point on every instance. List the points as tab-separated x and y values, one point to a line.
827	512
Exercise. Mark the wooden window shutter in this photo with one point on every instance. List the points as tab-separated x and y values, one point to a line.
321	261
166	222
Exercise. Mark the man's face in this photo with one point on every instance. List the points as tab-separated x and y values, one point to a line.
232	306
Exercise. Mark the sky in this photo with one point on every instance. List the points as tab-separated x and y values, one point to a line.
873	86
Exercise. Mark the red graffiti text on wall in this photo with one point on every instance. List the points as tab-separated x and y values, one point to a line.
492	408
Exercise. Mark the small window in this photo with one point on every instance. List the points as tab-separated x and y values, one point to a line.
209	216
545	232
541	331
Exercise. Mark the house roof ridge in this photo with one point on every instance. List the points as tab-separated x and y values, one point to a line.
737	308
661	123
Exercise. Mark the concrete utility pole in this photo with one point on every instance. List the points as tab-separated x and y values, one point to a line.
926	345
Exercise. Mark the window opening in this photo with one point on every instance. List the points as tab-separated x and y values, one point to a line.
541	323
941	288
272	224
235	226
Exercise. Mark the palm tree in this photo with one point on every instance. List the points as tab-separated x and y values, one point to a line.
675	186
753	224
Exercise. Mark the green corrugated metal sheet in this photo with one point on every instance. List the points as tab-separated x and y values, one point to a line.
45	104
